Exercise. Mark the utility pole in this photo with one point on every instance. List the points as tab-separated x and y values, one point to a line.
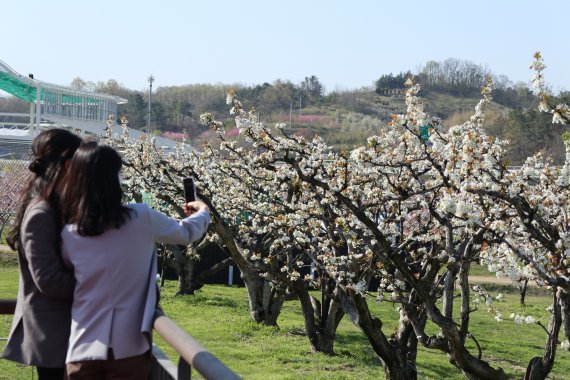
150	80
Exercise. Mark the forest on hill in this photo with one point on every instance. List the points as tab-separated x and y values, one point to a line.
343	118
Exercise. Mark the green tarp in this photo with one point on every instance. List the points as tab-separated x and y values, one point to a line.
26	92
17	88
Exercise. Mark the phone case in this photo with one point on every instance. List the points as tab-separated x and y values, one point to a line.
189	191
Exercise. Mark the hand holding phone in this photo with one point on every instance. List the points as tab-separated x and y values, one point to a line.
189	189
190	197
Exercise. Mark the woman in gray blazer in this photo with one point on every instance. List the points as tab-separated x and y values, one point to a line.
111	249
40	328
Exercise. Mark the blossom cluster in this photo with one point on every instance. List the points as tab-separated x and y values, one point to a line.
560	112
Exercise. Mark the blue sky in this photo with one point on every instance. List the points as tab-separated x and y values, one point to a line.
346	44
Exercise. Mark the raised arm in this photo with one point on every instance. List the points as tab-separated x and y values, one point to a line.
185	231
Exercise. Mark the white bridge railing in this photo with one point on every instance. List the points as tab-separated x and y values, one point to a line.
192	354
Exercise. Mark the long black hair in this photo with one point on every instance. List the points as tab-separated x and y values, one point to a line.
92	195
51	148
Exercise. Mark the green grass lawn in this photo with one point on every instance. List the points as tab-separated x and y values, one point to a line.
9	289
217	316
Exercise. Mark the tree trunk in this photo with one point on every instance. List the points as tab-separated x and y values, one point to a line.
265	301
185	275
471	366
394	362
184	266
321	320
197	282
406	336
540	367
564	299
522	290
177	258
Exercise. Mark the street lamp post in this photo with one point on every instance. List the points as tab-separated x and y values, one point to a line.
150	80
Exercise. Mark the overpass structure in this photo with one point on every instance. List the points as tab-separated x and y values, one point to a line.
53	106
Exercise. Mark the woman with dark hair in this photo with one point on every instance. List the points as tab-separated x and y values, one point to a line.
42	319
110	246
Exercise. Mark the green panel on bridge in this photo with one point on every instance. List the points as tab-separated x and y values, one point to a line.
26	92
17	88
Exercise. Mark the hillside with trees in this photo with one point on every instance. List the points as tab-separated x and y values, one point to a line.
451	89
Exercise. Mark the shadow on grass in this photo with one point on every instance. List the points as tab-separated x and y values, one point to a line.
8	259
438	371
198	299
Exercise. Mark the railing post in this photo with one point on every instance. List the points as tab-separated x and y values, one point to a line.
7	306
161	368
192	352
184	369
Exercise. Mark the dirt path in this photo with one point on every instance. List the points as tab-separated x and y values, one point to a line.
496	281
490	280
5	248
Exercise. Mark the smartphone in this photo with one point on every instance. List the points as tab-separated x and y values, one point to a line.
189	189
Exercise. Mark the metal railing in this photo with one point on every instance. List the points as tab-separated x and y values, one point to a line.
162	368
7	306
190	351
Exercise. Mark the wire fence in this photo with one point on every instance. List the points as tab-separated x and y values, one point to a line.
13	175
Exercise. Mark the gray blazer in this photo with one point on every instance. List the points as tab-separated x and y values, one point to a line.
40	328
